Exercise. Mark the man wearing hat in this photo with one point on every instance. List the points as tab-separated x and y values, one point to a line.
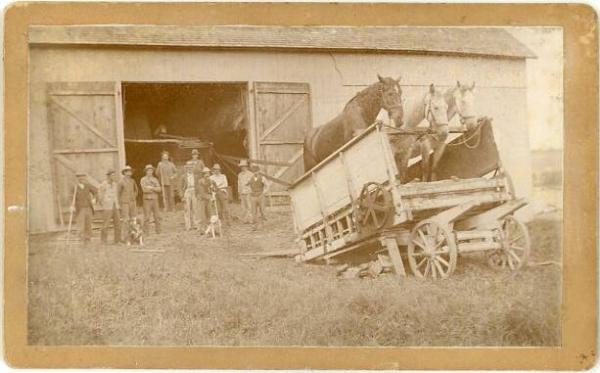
166	172
188	192
108	197
85	195
150	189
257	185
244	190
127	190
222	196
206	188
197	162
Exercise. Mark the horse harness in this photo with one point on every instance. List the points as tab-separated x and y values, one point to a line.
438	128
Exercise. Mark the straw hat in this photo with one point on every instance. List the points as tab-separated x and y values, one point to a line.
243	163
216	166
148	167
126	168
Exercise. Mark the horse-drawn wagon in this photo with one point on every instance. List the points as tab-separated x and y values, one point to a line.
355	199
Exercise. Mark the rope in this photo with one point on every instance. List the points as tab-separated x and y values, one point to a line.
465	142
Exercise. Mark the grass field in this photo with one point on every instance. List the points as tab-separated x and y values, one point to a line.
202	292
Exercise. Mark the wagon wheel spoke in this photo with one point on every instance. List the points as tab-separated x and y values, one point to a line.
443	261
509	260
437	244
374	218
519	248
440	270
423	238
365	218
516	239
442	250
379	208
419	244
427	268
514	256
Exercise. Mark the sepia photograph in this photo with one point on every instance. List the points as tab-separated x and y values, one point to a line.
246	185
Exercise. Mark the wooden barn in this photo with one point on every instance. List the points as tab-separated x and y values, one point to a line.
99	94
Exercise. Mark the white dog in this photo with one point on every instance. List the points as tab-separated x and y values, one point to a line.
214	227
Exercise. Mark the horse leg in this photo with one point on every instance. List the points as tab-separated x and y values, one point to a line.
437	155
425	166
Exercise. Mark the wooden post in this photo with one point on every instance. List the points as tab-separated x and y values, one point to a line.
120	127
392	248
252	129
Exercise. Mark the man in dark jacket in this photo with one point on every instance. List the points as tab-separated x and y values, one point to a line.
166	173
85	196
127	191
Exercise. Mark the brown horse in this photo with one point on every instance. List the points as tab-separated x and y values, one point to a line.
458	100
359	113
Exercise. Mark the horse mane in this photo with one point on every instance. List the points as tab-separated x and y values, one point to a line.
362	93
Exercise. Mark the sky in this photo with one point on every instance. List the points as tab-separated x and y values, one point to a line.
544	85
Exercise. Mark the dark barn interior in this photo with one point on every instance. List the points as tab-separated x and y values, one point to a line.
158	115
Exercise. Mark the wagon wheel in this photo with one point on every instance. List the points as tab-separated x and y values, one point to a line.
515	245
374	205
432	250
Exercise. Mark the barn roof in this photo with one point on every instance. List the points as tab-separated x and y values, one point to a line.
484	41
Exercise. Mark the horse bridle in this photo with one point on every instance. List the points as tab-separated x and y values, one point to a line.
462	118
429	112
388	107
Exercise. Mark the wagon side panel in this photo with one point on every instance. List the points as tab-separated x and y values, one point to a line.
367	162
306	204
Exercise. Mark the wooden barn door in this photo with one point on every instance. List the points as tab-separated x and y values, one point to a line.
86	133
283	115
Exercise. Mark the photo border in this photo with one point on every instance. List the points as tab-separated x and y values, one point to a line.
579	280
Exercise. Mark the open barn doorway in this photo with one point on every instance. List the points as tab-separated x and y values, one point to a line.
179	117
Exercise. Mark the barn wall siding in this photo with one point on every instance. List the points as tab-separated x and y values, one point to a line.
333	77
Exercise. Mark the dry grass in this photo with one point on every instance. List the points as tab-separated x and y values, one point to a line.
201	292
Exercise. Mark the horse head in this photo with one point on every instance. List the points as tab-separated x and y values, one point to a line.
464	99
436	108
391	98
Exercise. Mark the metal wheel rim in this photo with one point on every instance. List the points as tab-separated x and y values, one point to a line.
432	251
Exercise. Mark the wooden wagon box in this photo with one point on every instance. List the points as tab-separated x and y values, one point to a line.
355	196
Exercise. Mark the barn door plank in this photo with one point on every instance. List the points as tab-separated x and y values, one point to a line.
86	134
73	168
82	122
282	116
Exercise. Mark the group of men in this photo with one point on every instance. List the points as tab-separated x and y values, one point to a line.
204	193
